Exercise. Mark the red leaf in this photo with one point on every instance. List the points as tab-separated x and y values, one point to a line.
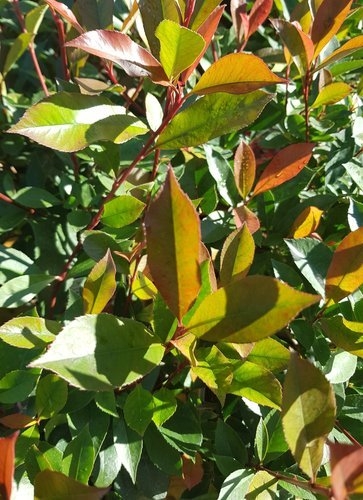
244	169
347	465
285	165
65	12
243	215
7	455
192	471
259	13
120	49
17	421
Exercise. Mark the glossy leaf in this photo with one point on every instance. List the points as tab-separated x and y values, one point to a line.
221	317
23	289
344	333
345	273
179	47
121	211
236	74
229	444
66	13
237	255
270	354
202	11
154	112
70	122
138	409
96	14
164	405
347	465
211	116
50	483
262	481
7	454
120	49
171	221
28	332
16	385
41	457
100	285
51	396
306	223
345	50
100	352
332	93
162	453
243	215
222	173
17	421
258	15
78	457
244	169
128	444
329	17
17	49
298	44
236	485
308	413
285	165
214	369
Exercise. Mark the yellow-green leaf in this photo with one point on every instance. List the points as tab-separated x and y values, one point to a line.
345	273
236	74
248	310
237	255
173	241
51	484
121	211
308	413
332	93
179	47
306	223
345	50
100	285
244	169
345	334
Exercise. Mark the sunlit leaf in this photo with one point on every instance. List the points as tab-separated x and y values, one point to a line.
28	332
345	50
66	13
211	116
347	465
264	484
308	413
214	369
100	285
16	385
230	315
285	165
23	289
154	111
7	455
203	9
179	47
52	484
100	352
121	211
236	255
34	18
128	445
306	223
120	49
344	333
173	240
222	173
257	15
244	169
329	17
165	405
138	409
79	456
69	122
345	273
270	354
243	215
332	93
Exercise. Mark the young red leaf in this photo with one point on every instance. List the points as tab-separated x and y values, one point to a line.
285	165
347	466
120	49
173	241
345	273
7	456
329	17
243	215
192	470
66	13
259	13
244	169
17	421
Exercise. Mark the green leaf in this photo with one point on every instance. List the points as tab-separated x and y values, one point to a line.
211	116
221	317
17	49
345	334
78	457
270	354
354	169
35	197
41	457
244	169
106	402
96	14
16	385
50	396
122	211
222	173
28	332
236	74
13	263
164	406
179	47
51	484
34	18
100	285
236	485
183	430
340	367
170	221
100	352
128	444
332	93
237	255
202	11
308	413
25	440
70	122
161	453
23	289
229	444
138	409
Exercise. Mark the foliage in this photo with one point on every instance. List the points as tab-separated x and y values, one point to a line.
181	267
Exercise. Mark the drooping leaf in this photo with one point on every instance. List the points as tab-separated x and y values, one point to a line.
100	285
66	13
298	44
236	74
332	93
7	455
121	211
28	332
100	352
70	122
285	165
128	444
345	273
308	413
347	465
171	221
244	169
50	396
211	116
329	17
17	49
344	333
23	289
78	457
120	49
51	484
230	315
179	47
345	50
306	223
237	255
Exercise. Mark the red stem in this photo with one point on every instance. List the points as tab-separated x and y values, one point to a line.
306	90
188	12
62	40
6	199
313	487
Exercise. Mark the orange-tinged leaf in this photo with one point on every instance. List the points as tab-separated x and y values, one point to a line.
347	466
297	43
237	255
7	456
173	241
332	93
306	223
285	165
236	74
51	484
308	413
243	215
66	13
17	421
344	333
230	315
100	285
345	273
244	169
192	470
258	14
345	50
329	17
